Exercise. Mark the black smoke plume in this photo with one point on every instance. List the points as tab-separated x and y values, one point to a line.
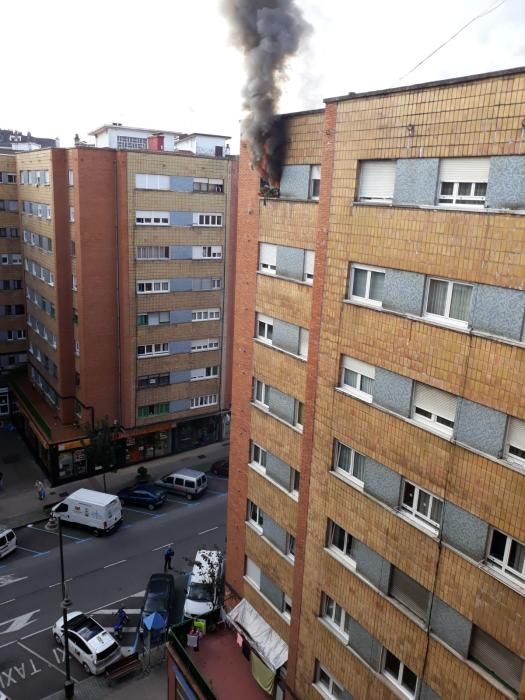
268	32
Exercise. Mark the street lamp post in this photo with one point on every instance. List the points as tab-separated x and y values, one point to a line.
69	685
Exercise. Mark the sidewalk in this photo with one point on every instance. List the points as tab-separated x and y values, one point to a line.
19	504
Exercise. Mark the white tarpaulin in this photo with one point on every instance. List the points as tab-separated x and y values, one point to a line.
272	649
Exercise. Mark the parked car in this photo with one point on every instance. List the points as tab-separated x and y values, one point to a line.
159	598
205	584
147	495
89	643
186	482
221	467
7	541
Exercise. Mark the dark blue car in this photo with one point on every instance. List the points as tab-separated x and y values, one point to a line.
146	495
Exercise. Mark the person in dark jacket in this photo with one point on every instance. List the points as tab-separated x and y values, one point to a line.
168	556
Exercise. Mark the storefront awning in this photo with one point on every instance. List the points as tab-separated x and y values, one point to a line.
267	643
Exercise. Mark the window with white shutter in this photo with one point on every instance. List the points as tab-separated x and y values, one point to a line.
496	659
434	408
253	572
376	181
357	378
515	442
309	262
315	182
304	337
409	593
463	181
267	258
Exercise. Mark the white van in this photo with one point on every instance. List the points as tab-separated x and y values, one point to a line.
7	541
186	482
205	583
93	509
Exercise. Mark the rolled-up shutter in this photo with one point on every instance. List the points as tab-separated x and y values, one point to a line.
359	367
376	180
516	433
216	182
493	656
436	401
409	592
464	169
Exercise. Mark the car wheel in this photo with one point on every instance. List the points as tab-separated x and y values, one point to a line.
58	639
86	668
96	532
151	506
189	496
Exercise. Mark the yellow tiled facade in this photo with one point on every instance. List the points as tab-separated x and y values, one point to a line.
364	552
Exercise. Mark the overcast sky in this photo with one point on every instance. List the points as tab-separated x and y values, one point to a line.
169	65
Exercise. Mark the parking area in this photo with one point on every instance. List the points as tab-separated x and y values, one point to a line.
34	540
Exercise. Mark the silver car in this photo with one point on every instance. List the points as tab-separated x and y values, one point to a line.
186	482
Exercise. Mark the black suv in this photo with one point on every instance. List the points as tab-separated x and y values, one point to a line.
159	598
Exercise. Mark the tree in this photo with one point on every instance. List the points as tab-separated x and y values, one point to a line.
210	565
101	448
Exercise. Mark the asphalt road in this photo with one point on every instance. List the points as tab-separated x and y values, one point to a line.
104	572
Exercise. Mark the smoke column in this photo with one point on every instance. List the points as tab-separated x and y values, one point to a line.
268	32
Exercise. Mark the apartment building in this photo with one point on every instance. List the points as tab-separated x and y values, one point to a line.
377	471
126	261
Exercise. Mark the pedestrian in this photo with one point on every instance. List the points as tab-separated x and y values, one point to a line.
40	490
168	555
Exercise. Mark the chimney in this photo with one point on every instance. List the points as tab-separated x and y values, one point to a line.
156	142
77	139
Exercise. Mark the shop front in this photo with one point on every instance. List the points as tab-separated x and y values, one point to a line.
197	432
140	448
72	460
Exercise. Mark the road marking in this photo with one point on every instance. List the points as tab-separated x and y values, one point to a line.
162	547
60	582
210	530
114	611
7	601
159	515
140	512
2	646
115	563
33	551
181	503
41	529
19	622
8	579
140	594
46	661
86	539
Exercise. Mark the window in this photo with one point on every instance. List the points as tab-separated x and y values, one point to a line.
339	540
153	252
206	315
152	182
286	606
73	249
315	182
304	337
366	284
77	348
376	181
308	270
261	393
258	455
434	408
48	215
201	401
496	659
16	259
298	416
203	184
207	252
264	328
515	442
349	462
253	572
204	373
216	283
421	505
290	546
153	380
154	409
450	300
71	214
334	614
463	181
153	286
152	218
326	683
154	318
507	554
400	675
132	143
153	349
8	232
70	178
207	219
204	345
357	378
74	283
255	515
78	409
409	593
267	258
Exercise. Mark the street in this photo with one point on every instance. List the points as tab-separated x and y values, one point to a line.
102	573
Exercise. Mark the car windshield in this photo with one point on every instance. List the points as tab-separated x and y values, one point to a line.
156	603
201	592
